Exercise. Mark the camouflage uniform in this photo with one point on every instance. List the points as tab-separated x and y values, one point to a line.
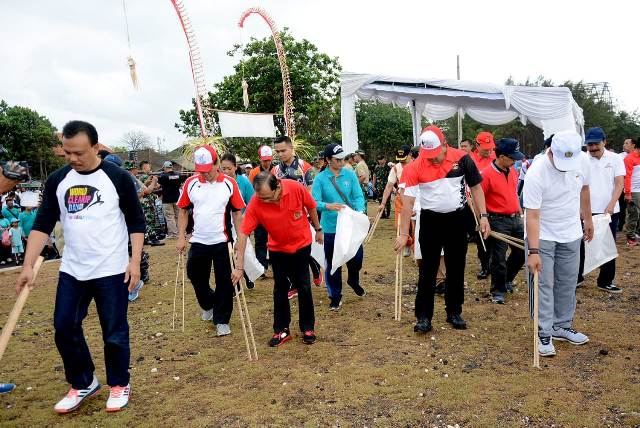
154	230
381	173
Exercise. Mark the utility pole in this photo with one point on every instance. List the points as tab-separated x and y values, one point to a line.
459	110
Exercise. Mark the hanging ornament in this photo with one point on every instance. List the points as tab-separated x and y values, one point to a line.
132	71
130	61
245	94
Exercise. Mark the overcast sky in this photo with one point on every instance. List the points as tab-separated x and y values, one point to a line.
67	59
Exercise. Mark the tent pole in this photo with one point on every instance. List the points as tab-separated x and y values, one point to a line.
459	115
415	122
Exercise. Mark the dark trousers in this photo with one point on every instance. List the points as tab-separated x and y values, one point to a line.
623	212
608	270
72	302
201	257
504	269
437	231
292	270
334	282
261	237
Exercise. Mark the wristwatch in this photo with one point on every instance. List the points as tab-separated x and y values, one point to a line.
319	229
484	215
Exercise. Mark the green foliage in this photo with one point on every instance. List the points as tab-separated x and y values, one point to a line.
382	129
26	135
315	79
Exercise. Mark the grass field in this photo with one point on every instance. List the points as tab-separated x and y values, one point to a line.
365	369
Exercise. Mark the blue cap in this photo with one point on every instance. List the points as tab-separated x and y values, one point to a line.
113	159
595	136
509	147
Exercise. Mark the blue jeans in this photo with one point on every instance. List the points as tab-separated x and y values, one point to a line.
72	301
334	282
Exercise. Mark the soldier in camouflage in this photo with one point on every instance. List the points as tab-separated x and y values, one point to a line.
380	178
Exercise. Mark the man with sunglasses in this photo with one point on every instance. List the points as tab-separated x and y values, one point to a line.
282	207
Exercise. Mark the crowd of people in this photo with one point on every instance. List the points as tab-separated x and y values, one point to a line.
445	198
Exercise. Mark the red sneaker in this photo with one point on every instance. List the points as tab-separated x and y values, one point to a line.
279	338
292	293
309	337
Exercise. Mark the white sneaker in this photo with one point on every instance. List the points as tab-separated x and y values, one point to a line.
207	315
545	347
118	398
223	329
570	335
75	397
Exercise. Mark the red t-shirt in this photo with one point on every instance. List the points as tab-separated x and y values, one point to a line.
500	190
286	221
482	162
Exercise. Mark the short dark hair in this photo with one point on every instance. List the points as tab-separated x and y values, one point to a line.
142	163
265	177
634	141
380	157
229	157
283	139
74	127
103	153
415	152
467	140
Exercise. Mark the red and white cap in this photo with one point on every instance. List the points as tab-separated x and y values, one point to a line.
431	142
204	158
265	153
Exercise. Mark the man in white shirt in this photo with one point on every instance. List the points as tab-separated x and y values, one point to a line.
555	196
215	198
606	182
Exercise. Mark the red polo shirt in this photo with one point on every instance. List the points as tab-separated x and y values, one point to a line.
285	221
500	190
481	162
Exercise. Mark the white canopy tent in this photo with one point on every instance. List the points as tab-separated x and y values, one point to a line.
550	108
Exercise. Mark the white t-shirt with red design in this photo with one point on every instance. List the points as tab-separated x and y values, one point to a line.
212	204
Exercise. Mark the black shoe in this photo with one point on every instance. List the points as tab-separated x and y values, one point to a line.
335	305
509	286
250	285
422	326
611	288
279	338
483	274
457	321
309	337
441	287
360	292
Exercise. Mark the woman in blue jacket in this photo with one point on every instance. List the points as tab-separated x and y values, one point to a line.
330	201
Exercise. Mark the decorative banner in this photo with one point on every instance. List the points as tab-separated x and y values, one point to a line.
235	124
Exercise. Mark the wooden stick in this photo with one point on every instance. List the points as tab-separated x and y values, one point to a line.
175	293
183	271
504	239
373	228
398	286
240	312
246	311
8	328
536	354
473	211
509	237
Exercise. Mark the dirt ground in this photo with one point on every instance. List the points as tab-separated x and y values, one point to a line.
365	369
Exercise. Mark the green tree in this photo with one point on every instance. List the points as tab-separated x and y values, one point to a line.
382	129
28	136
315	86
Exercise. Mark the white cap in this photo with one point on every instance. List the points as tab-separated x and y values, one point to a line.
265	153
566	147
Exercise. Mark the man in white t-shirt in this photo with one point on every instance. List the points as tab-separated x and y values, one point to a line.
214	198
555	196
606	182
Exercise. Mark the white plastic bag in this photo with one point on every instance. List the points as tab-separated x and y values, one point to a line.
317	250
602	247
252	267
417	252
351	229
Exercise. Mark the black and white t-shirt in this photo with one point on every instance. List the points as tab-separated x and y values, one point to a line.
97	209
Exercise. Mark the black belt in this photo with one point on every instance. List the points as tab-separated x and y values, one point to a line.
504	215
